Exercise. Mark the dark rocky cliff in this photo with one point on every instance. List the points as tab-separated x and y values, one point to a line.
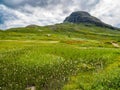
85	17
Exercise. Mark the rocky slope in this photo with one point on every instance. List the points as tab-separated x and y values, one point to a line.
85	17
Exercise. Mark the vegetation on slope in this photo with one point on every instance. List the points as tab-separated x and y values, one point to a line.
60	57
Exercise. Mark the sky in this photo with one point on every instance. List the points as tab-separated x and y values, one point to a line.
20	13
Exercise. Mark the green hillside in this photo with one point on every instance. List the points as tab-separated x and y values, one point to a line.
60	57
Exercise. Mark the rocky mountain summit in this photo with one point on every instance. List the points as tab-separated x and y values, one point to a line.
85	17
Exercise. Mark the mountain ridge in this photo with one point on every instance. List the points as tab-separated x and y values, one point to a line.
79	17
84	17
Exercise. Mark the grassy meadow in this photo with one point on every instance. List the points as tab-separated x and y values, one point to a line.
60	57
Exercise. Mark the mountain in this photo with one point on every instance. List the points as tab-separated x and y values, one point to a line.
60	57
85	17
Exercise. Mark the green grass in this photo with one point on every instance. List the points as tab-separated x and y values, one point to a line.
60	57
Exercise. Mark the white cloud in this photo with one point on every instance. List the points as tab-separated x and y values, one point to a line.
108	11
56	11
39	16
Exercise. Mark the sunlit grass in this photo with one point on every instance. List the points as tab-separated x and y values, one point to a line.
60	57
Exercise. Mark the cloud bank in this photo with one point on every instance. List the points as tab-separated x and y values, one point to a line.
17	13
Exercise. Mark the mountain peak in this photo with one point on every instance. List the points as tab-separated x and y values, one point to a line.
85	17
81	13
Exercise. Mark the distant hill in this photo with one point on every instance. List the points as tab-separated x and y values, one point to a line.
30	26
85	17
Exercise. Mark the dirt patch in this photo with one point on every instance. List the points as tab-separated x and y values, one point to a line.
36	41
115	45
31	88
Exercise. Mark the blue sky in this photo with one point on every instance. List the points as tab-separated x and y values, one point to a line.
17	13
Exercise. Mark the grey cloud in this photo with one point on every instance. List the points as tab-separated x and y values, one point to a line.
1	18
83	4
6	16
14	13
86	5
34	3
